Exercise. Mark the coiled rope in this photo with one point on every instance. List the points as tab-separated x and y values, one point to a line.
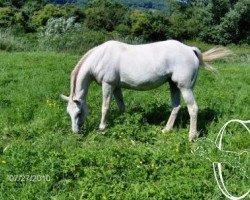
220	180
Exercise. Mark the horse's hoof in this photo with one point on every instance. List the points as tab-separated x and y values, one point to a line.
165	130
102	127
192	137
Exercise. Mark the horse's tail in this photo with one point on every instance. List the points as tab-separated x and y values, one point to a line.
215	53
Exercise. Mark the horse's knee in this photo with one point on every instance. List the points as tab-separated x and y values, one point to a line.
122	108
176	110
193	110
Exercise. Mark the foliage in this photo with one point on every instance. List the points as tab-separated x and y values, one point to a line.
236	24
139	22
104	15
59	25
6	16
17	4
144	4
77	40
40	18
132	159
232	27
10	41
214	21
75	12
219	21
160	27
219	9
151	25
60	38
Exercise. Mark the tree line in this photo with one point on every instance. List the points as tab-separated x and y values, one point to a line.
212	21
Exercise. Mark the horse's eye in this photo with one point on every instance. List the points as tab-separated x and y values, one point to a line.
78	114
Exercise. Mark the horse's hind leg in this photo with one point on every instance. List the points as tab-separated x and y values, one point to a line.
107	91
119	99
175	96
192	110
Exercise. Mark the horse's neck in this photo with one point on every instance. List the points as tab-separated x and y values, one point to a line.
82	84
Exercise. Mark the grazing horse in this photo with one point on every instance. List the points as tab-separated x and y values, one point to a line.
115	65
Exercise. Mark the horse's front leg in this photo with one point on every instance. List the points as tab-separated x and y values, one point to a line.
107	91
119	99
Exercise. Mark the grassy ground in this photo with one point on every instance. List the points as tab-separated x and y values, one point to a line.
132	159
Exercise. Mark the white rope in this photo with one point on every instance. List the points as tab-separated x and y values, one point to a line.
220	181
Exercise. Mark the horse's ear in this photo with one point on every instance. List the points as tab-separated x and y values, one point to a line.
65	98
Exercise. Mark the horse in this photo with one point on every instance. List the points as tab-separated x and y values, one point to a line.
115	65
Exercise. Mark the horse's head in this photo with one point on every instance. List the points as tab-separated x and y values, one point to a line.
77	110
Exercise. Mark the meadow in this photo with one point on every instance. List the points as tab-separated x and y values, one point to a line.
40	158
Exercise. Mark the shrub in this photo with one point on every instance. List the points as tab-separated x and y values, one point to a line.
10	41
104	15
232	27
75	39
60	25
27	11
6	16
235	26
41	17
140	22
159	28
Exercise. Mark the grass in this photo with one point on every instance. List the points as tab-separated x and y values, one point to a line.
132	159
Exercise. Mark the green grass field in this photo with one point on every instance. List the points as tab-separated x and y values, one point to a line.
132	159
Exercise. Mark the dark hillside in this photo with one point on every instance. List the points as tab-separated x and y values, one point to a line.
145	4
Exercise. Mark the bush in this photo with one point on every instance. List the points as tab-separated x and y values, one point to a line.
73	11
6	16
235	26
60	25
140	22
104	15
152	25
159	28
75	40
40	18
10	41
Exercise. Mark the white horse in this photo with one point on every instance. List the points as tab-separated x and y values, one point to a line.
115	65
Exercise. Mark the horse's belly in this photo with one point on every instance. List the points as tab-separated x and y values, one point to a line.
142	84
142	73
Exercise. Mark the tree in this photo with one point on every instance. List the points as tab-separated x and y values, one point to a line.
219	9
235	26
6	16
140	22
40	18
104	14
25	13
20	3
159	28
151	25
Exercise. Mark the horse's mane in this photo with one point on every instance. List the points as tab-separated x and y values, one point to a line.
75	73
